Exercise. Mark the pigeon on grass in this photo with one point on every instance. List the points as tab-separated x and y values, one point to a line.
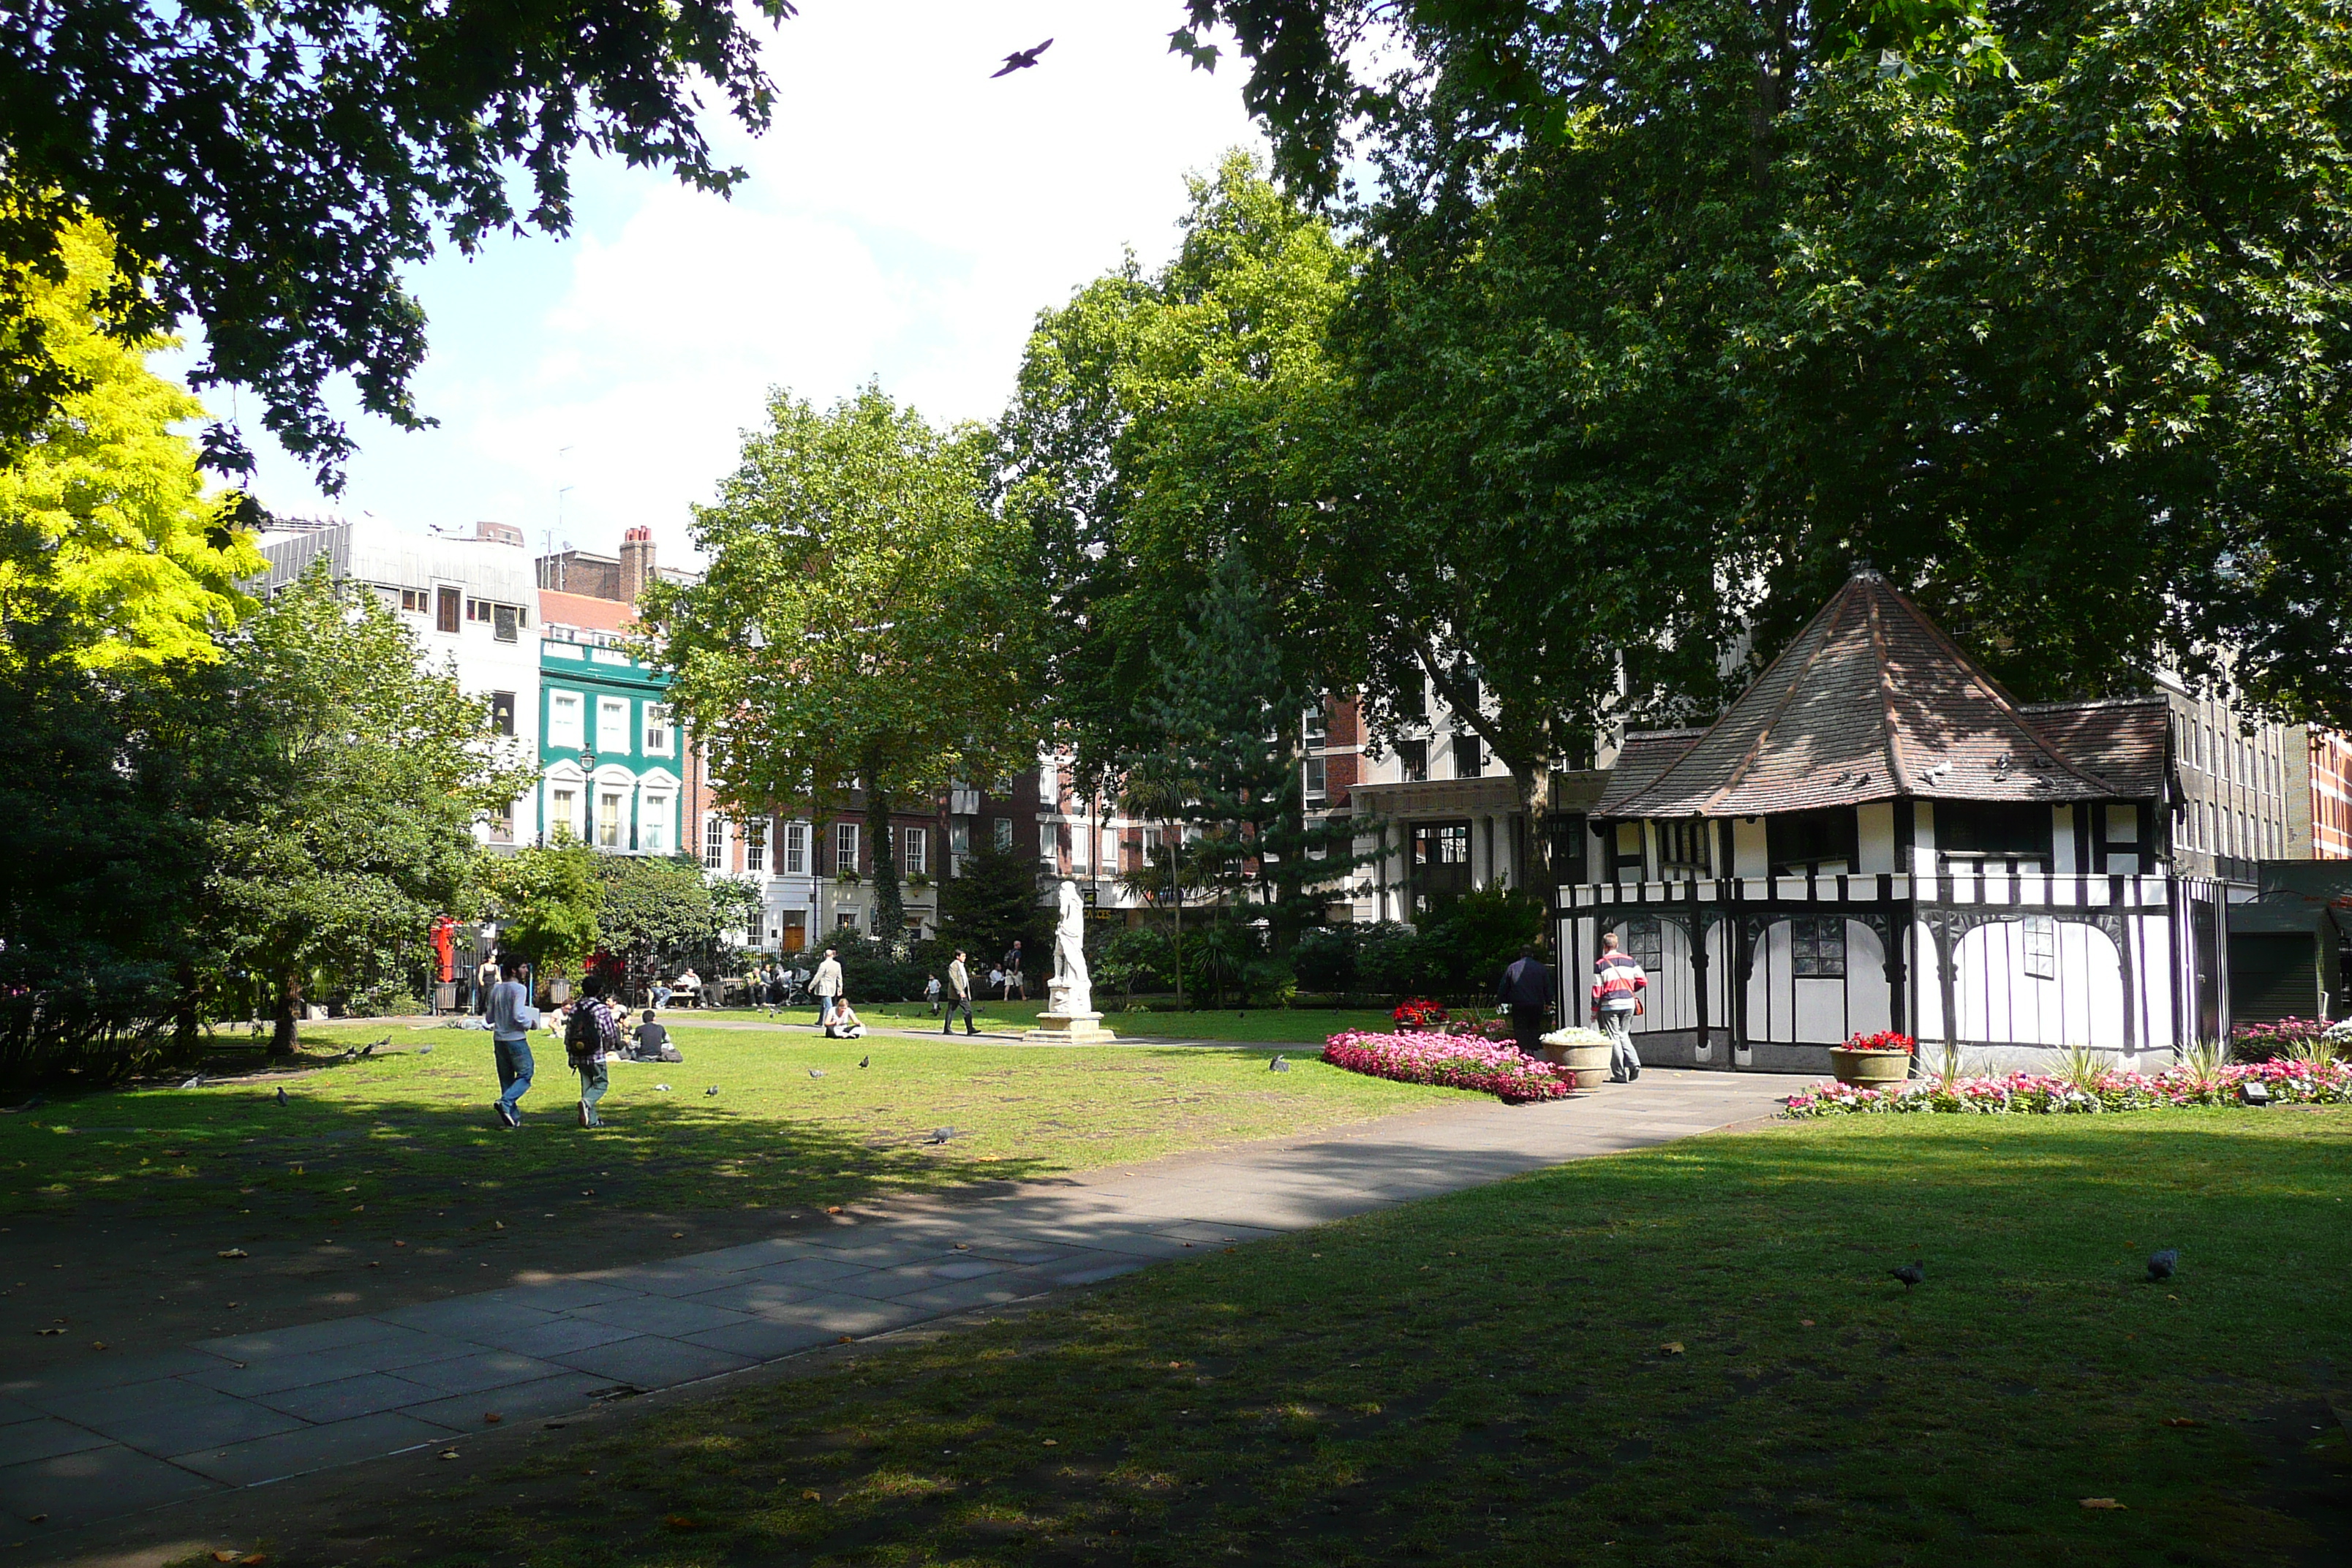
2161	1267
712	1090
281	1094
862	1061
816	1072
1277	1065
941	1134
1910	1274
195	1082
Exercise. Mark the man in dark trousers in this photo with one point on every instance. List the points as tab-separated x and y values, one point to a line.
1526	989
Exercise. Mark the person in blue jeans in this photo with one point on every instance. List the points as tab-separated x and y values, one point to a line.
511	1017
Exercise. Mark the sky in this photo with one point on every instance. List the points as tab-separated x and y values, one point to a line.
905	220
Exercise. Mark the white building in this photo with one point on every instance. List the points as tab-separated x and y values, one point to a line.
470	603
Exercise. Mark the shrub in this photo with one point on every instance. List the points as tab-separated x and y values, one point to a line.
1324	957
2049	1094
2268	1042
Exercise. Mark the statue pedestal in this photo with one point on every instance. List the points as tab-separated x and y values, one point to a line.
1068	1029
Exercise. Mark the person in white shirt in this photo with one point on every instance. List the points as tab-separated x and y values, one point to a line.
826	987
959	995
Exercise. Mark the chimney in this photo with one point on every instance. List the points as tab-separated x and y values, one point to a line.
637	563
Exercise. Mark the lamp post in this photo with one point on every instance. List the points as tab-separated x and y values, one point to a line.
588	797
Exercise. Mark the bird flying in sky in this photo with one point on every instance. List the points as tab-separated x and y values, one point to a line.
1020	60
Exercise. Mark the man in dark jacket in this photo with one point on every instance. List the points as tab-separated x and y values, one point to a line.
1527	990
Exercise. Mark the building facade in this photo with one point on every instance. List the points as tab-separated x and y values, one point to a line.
1874	835
470	604
2327	784
611	763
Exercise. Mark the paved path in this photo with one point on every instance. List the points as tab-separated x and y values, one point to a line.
114	1437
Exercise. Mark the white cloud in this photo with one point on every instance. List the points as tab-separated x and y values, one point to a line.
905	219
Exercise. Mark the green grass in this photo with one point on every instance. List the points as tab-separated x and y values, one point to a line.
402	1133
1259	1025
1495	1377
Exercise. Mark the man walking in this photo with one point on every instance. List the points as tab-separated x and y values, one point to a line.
959	995
592	1034
825	987
1013	979
1617	986
1526	990
511	1018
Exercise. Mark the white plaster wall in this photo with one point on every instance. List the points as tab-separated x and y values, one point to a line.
1923	838
1749	856
2061	841
1875	845
1995	999
1868	1006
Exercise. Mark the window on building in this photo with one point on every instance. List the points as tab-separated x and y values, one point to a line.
608	819
1801	841
1048	787
915	854
1682	843
1049	843
2010	833
1817	947
755	844
796	849
1110	849
652	827
564	710
563	813
502	711
502	825
1316	777
1078	836
845	846
1413	696
446	601
1468	758
1413	761
2040	947
415	601
1002	827
1644	941
714	843
656	729
612	725
1318	728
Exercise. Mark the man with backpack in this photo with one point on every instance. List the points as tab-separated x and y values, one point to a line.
587	1039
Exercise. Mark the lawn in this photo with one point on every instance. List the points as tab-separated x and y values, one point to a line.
795	1122
1688	1355
1256	1025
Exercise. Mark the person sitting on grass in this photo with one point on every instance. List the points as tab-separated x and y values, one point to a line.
846	1025
651	1037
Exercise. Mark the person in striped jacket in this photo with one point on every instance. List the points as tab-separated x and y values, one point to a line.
1617	986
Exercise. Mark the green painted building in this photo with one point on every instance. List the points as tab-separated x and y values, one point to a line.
612	764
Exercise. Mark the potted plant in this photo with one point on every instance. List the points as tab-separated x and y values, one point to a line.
1873	1061
1584	1052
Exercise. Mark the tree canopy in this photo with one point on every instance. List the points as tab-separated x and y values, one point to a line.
866	632
273	170
107	540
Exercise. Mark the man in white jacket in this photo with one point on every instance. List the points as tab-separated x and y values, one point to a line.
826	987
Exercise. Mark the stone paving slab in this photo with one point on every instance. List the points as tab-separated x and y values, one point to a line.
117	1435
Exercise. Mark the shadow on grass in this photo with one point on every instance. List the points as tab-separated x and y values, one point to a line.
1690	1354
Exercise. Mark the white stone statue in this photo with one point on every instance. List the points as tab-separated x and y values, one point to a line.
1071	990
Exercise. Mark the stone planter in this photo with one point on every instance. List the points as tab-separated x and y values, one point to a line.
1584	1052
1870	1070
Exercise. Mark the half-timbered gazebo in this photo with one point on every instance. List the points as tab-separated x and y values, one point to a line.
1875	835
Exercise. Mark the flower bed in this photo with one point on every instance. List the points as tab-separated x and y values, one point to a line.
2045	1094
2268	1042
1454	1061
1417	1012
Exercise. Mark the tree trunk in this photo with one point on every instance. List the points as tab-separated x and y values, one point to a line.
1534	782
289	1002
889	912
1176	898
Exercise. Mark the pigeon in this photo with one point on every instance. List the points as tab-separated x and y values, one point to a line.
1277	1065
370	1049
1020	59
863	1061
816	1072
424	1050
663	1087
941	1134
281	1094
1910	1274
195	1082
712	1090
351	1053
2161	1266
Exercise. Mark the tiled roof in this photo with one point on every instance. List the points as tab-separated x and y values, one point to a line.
1640	758
1871	702
589	613
2123	740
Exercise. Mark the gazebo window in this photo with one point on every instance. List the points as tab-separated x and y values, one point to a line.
1817	947
1683	844
1802	841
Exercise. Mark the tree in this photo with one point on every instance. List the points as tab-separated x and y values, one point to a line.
991	904
867	630
1710	300
1228	716
1164	424
548	901
107	542
275	171
660	912
344	779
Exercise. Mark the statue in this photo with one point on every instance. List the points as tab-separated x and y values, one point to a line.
1071	990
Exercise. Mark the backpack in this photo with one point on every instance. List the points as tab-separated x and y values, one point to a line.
591	1033
670	1052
